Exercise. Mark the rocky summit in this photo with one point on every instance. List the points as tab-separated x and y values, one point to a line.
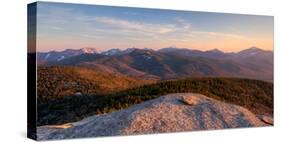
169	113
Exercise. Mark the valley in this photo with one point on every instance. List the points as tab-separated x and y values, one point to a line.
74	85
168	63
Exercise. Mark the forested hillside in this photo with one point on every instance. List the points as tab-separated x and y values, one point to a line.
255	95
58	82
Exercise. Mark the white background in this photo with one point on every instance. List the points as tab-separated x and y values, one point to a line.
13	69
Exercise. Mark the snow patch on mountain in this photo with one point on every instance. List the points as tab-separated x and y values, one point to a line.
89	50
61	58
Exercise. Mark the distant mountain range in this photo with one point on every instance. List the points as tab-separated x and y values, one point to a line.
167	63
58	56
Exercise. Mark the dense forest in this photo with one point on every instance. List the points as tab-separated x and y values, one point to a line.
255	95
58	82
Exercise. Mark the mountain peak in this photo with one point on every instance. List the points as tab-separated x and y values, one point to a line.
215	50
113	51
251	50
169	49
149	49
129	50
88	50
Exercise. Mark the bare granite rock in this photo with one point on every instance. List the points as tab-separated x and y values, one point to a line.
190	100
170	113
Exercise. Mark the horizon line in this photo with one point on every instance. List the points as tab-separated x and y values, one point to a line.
99	51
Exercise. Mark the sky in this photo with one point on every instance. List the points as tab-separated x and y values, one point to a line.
63	26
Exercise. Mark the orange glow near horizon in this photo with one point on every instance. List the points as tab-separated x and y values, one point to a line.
223	44
65	26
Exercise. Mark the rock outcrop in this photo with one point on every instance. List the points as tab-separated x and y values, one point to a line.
170	113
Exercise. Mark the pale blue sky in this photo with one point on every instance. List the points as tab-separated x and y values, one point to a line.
61	26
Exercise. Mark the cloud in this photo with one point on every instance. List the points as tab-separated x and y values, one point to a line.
133	13
144	27
180	20
69	21
220	35
56	23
